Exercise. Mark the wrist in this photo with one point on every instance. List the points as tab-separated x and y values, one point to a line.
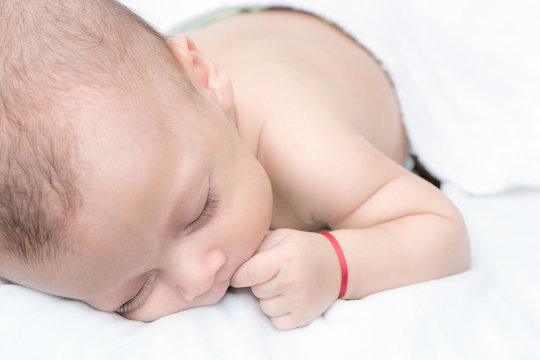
342	263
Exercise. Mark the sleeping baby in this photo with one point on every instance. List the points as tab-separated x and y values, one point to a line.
145	175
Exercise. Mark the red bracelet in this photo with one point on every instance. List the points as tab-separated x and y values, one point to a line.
342	263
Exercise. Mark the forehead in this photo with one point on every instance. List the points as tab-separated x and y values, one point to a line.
135	148
114	118
135	132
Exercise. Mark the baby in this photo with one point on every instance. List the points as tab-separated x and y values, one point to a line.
135	180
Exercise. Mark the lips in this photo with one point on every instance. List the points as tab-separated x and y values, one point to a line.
217	292
210	297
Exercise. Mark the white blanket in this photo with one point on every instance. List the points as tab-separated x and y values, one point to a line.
469	88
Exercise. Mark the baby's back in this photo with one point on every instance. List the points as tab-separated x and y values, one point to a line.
288	65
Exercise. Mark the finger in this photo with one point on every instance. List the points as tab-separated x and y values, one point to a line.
273	238
287	322
257	270
268	289
274	307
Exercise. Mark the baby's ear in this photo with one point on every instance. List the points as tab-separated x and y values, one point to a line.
202	70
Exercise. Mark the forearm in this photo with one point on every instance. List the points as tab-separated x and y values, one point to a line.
403	251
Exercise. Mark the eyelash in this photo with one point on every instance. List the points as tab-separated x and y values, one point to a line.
211	203
138	299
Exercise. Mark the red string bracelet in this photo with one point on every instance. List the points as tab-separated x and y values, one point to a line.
342	262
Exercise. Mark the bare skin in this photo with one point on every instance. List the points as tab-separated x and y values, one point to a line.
330	109
302	83
293	127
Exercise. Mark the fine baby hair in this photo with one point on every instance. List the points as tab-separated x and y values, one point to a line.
55	55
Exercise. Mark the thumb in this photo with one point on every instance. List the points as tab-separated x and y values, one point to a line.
259	269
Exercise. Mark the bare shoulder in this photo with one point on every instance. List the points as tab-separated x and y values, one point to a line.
323	111
320	165
324	152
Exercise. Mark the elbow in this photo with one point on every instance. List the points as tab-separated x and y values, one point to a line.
463	250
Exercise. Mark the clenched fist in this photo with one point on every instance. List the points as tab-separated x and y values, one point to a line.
295	274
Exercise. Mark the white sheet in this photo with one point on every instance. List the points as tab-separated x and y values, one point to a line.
489	312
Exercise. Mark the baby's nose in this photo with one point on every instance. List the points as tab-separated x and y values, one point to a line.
203	276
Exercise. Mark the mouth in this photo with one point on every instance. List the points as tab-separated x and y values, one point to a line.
222	289
215	294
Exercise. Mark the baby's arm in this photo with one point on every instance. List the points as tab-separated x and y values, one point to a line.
394	228
405	233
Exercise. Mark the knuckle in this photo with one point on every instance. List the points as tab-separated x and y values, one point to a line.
252	272
281	232
289	260
270	307
278	236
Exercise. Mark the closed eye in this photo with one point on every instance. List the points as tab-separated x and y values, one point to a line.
141	296
206	212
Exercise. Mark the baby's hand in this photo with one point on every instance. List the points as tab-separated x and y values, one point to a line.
295	274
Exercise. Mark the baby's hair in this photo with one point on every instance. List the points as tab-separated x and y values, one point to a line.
51	51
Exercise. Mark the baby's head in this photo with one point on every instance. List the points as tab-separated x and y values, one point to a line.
123	180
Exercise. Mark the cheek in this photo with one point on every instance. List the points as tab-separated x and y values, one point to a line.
164	300
259	204
246	218
264	203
